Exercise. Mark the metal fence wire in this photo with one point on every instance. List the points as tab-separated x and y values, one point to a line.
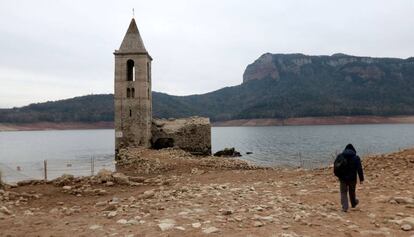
12	172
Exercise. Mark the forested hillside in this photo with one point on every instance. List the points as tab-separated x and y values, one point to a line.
274	86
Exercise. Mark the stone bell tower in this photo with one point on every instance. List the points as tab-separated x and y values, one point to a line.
133	99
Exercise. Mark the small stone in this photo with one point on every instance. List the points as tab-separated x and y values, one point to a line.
196	225
258	224
54	211
392	201
67	187
406	227
100	204
122	221
266	218
112	214
180	228
110	207
227	212
6	211
210	230
147	194
132	222
95	227
137	179
166	224
28	213
404	200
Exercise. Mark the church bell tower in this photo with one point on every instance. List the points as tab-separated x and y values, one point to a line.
133	99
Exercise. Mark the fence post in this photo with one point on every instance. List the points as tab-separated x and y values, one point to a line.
45	168
92	165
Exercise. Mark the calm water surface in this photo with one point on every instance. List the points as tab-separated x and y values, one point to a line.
270	145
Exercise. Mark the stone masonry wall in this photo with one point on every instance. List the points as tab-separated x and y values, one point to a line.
190	134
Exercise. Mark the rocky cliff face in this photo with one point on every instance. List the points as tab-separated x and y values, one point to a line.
274	66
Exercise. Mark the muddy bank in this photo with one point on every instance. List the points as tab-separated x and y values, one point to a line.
230	123
317	121
172	193
54	126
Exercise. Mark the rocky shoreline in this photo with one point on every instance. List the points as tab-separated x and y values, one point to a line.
172	193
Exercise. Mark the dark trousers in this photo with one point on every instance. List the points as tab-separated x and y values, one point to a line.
345	187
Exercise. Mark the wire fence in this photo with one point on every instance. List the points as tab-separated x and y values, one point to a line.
12	172
312	163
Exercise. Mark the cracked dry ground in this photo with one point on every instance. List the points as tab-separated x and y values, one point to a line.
187	196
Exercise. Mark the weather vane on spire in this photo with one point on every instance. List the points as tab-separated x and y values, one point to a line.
133	13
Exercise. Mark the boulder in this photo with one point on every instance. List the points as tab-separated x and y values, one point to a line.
228	152
120	178
64	180
104	176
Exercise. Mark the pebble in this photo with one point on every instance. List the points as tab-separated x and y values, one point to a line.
122	221
100	204
406	227
147	194
112	214
28	213
67	187
4	210
258	224
196	225
210	230
132	222
95	227
404	200
166	224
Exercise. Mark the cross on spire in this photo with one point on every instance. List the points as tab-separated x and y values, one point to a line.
133	13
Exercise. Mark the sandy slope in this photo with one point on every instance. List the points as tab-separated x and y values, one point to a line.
171	193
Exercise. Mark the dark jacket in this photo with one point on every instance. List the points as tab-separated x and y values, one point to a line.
354	167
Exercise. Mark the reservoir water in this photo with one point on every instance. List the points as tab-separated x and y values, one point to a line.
22	153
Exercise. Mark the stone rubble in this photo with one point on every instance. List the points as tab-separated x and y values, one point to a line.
169	203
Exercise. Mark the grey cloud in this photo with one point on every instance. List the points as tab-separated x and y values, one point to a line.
60	49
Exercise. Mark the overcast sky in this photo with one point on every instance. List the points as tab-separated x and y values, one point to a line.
54	49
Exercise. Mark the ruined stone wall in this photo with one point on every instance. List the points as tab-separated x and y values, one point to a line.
190	134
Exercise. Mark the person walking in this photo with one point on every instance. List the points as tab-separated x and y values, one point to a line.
347	166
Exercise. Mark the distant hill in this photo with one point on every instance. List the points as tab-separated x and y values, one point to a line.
274	86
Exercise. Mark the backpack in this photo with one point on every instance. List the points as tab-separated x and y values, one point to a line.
340	166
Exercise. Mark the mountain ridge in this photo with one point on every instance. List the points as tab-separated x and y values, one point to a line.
278	86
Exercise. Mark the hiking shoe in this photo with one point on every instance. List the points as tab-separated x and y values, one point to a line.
356	203
344	210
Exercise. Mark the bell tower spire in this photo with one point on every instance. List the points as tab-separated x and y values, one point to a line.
133	97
